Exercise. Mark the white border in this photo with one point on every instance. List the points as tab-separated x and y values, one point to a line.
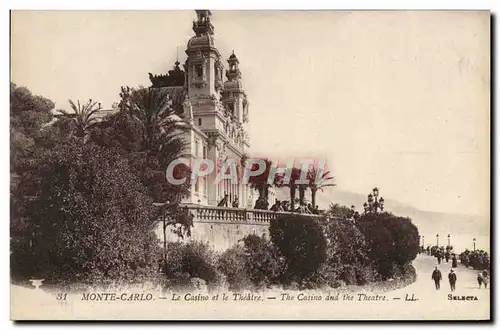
493	5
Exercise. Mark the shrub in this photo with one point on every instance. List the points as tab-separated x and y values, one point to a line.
347	252
256	264
302	242
264	262
405	237
233	264
192	260
392	241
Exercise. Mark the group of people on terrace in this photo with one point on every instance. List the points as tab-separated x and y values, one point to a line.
278	206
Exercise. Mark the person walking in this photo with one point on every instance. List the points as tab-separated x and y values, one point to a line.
485	279
452	277
480	279
436	276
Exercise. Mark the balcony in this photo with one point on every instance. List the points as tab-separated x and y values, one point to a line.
223	227
214	214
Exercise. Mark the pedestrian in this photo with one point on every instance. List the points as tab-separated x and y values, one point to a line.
452	277
439	259
485	279
454	261
436	276
480	279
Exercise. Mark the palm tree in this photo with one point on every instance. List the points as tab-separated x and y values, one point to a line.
152	107
318	185
161	143
260	182
302	192
83	117
295	175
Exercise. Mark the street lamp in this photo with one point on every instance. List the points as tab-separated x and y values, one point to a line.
374	203
437	240
449	244
474	242
423	241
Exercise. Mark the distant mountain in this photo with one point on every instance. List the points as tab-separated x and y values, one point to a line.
428	223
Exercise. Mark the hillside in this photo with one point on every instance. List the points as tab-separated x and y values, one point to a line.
429	223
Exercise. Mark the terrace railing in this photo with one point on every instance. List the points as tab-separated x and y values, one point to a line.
204	213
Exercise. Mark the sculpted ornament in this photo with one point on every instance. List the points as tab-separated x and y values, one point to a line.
188	110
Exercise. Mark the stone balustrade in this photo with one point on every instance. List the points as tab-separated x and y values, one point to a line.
235	215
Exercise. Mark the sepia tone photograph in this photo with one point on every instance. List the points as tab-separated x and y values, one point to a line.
250	165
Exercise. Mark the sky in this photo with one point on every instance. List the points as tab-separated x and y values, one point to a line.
398	100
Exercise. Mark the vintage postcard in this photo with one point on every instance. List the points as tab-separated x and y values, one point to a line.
250	165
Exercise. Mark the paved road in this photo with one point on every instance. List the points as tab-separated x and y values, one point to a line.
466	277
437	303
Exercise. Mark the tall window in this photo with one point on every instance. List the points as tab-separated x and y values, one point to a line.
199	70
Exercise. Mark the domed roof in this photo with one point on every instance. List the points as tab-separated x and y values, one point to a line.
204	40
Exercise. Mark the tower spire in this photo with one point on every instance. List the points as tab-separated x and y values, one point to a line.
234	71
203	25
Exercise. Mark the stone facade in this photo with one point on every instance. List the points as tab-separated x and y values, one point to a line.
215	110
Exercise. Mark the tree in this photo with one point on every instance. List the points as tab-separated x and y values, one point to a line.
82	118
91	220
316	184
393	241
302	187
260	182
347	249
302	242
146	130
159	126
294	176
29	114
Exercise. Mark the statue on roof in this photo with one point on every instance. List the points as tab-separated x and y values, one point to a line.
188	110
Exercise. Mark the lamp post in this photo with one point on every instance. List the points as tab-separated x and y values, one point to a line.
437	240
474	242
449	241
374	203
423	241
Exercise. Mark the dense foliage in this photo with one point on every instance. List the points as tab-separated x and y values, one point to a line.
186	261
392	241
257	264
91	219
82	189
302	242
82	197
